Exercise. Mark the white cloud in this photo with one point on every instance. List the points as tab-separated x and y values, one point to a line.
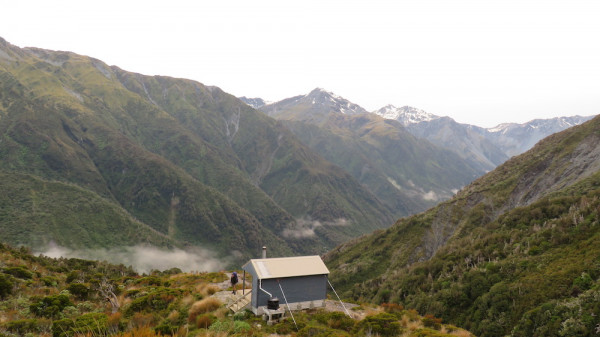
145	258
304	228
430	196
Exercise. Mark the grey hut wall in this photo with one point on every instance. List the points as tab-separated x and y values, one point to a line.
296	289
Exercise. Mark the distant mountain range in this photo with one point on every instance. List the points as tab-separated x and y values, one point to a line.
482	148
408	174
485	148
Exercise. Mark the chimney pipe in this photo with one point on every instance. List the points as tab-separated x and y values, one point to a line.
264	252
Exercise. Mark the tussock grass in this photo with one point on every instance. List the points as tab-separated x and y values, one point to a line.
206	289
203	306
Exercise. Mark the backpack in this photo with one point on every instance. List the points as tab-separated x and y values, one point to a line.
234	279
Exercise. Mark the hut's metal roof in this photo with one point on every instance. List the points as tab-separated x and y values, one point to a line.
287	266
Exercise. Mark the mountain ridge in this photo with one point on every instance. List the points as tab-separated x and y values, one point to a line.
191	161
491	146
407	173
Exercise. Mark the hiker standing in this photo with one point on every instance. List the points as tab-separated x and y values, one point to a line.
234	281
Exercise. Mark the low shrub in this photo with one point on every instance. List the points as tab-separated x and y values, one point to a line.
50	306
383	324
241	326
155	301
24	326
6	286
49	281
166	329
19	272
431	321
335	320
221	326
63	328
79	290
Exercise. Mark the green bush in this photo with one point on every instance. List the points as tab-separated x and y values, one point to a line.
73	275
80	290
155	301
583	282
166	329
50	306
221	326
49	281
63	328
312	330
6	285
335	320
24	326
19	272
384	324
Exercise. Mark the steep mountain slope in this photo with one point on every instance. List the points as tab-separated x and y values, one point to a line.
193	163
404	172
511	250
471	145
67	215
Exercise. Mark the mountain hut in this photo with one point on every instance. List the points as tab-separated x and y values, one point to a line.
300	282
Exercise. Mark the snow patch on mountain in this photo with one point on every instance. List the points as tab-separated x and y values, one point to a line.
406	115
255	102
323	98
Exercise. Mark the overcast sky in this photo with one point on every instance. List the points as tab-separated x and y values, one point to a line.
479	62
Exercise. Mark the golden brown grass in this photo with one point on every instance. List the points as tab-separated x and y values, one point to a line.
187	300
204	321
140	332
203	306
206	289
173	315
140	320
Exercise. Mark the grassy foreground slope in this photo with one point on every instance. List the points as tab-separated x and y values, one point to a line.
41	296
517	252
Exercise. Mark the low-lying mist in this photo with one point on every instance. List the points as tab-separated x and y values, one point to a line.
304	228
146	258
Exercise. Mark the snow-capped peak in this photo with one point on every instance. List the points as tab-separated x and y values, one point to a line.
405	115
324	98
